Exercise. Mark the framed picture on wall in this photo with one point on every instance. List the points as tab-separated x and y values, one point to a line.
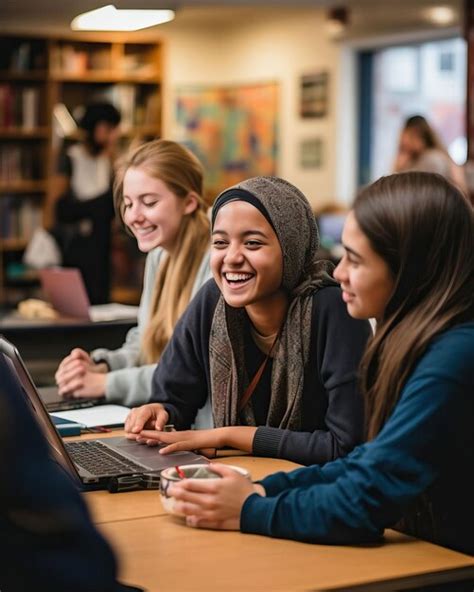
232	129
314	95
311	153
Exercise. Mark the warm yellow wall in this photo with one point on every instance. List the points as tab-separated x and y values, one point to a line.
277	46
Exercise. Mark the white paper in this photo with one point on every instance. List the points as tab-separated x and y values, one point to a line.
101	415
112	312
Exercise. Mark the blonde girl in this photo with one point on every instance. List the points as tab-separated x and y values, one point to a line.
158	194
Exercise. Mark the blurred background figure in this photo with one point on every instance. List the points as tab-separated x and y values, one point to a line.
421	149
84	209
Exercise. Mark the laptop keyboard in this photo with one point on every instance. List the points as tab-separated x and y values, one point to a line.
98	459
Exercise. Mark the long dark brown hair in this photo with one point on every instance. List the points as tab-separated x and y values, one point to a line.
423	228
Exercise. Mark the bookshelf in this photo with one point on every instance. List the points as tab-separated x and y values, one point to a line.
37	73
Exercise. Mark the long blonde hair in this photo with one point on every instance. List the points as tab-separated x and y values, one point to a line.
182	172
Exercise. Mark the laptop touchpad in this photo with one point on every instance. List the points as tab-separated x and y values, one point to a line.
149	455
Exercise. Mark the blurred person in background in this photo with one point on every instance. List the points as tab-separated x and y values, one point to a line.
420	149
84	209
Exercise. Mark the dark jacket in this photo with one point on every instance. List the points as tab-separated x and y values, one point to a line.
83	232
47	540
332	409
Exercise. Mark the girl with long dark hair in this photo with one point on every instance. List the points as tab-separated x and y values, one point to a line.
409	262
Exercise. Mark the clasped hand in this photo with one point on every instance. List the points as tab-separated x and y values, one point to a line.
214	503
206	503
79	376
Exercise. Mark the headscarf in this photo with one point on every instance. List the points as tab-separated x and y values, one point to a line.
292	219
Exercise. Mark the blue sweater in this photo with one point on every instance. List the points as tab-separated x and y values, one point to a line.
424	452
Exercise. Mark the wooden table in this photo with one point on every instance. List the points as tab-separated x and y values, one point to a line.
160	553
106	507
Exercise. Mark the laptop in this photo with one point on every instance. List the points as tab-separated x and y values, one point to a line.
331	227
64	288
53	401
94	464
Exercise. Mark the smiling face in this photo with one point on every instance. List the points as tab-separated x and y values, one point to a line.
246	257
366	281
152	211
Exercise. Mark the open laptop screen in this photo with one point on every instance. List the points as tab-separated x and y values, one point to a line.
19	373
331	227
65	289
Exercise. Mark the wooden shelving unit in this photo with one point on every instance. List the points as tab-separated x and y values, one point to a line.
14	244
23	186
104	77
15	75
18	133
36	73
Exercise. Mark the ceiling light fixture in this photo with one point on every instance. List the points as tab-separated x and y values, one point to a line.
440	15
337	21
109	18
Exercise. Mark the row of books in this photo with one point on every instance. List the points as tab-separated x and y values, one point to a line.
19	163
137	63
138	106
74	58
19	106
19	217
78	60
22	57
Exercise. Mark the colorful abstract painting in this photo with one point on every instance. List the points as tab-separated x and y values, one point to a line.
231	129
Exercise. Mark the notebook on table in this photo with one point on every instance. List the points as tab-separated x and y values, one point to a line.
64	288
93	463
90	412
107	415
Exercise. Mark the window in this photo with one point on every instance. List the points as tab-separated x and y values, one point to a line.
446	61
427	79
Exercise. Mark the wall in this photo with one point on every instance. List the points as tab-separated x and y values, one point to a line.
281	44
229	45
276	45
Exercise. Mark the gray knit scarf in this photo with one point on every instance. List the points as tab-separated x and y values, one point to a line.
295	227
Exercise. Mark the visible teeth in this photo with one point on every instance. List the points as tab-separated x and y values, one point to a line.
143	230
237	277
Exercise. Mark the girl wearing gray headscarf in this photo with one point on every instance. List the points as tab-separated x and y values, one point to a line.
268	340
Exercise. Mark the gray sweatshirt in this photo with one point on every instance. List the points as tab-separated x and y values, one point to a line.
129	383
